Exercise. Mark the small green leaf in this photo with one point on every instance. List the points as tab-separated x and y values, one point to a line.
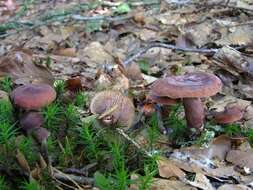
101	181
122	8
144	66
93	25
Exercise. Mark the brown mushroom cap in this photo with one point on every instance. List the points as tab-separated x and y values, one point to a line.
229	115
31	120
192	85
123	114
33	96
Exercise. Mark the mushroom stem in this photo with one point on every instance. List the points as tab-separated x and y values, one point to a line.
194	112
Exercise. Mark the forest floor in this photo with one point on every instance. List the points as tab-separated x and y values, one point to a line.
121	47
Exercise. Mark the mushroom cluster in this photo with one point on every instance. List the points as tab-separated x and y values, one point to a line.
113	108
190	88
31	98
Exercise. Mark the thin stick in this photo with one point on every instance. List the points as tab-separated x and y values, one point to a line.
122	132
69	178
130	59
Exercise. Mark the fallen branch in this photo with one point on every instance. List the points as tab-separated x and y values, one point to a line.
133	57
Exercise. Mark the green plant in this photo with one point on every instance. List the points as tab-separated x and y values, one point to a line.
6	84
144	66
59	86
205	137
118	179
27	147
121	175
31	185
71	115
67	151
52	115
248	132
102	182
232	129
6	112
7	133
178	125
81	99
153	132
90	140
150	170
3	184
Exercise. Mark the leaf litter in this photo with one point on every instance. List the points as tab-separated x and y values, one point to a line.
124	47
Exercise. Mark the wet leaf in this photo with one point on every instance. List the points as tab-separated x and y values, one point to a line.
122	8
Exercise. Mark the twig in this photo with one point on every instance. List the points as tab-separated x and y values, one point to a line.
106	18
73	178
122	132
133	57
61	175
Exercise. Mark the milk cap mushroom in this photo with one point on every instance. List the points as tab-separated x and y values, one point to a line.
229	115
33	96
119	107
190	87
31	120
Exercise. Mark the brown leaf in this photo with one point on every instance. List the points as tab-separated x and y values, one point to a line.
220	147
4	95
74	84
241	158
36	173
241	35
233	187
162	184
20	67
22	161
202	182
168	169
68	52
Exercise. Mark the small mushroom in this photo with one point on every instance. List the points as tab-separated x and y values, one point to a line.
190	87
31	120
113	108
229	115
31	123
33	96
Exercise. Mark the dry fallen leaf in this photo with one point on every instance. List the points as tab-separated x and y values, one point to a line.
240	35
68	52
233	187
4	96
241	158
22	161
219	147
202	182
168	169
163	184
20	67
